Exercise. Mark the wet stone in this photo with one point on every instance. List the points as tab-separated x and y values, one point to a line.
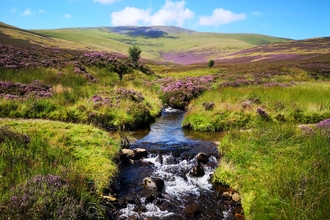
197	171
153	183
202	158
193	209
236	197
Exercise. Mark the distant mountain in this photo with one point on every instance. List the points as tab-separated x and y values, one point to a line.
169	43
151	31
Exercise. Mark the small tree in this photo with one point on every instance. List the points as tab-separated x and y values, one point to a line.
210	63
134	53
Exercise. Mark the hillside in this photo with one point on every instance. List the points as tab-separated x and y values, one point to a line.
15	36
171	44
300	50
162	43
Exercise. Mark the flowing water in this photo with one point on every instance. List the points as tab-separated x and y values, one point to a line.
171	156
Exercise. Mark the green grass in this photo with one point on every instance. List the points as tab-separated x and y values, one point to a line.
81	155
60	148
280	172
71	100
303	103
102	39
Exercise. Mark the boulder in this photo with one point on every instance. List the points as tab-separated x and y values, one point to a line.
227	194
192	210
126	155
197	171
202	158
140	153
236	197
153	183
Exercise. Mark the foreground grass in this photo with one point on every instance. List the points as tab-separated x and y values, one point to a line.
280	171
81	155
85	148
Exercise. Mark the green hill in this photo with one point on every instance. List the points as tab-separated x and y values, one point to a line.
162	42
170	44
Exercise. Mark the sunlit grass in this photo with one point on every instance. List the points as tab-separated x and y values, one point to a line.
303	103
91	150
280	172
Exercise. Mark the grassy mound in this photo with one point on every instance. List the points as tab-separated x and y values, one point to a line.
79	158
281	171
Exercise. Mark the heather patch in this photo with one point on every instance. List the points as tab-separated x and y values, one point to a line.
36	89
186	58
324	126
14	57
177	94
317	70
45	197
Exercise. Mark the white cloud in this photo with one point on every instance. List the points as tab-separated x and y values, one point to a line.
67	16
171	12
106	1
42	11
27	12
220	16
130	16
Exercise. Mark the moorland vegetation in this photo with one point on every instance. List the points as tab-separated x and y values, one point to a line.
63	112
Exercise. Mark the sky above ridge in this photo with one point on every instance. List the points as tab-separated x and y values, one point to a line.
281	18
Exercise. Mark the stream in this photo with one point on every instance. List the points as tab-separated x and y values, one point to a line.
172	155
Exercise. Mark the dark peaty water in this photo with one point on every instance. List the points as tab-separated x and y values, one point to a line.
172	155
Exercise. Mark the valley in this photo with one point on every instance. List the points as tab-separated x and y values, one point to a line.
72	99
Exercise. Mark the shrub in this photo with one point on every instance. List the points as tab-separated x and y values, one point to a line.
134	53
121	69
210	63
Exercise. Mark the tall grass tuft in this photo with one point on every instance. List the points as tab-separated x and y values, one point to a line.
281	171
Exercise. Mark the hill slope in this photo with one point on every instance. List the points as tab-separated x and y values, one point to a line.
301	50
170	44
162	42
15	36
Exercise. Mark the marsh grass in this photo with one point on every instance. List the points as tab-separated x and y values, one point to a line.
281	172
72	93
236	107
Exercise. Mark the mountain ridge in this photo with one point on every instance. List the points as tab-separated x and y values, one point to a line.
163	43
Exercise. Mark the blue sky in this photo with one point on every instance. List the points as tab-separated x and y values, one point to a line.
295	19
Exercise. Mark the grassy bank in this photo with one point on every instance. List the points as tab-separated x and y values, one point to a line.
301	103
107	103
281	171
80	158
